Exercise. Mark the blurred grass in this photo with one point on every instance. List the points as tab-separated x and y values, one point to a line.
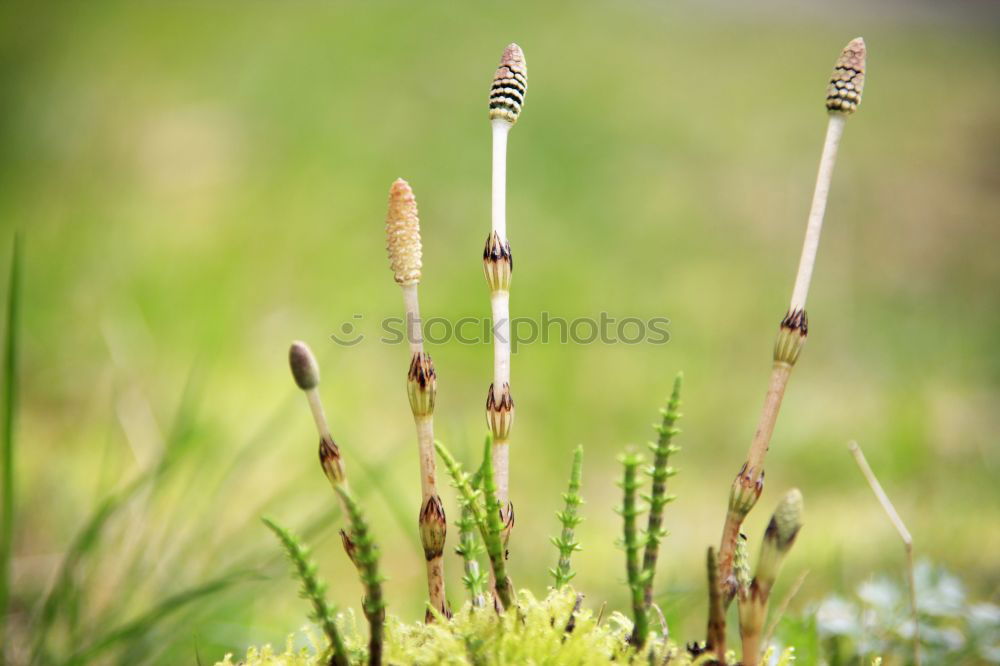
7	464
201	183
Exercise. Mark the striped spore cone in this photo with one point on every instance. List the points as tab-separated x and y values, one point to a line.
510	85
843	95
402	234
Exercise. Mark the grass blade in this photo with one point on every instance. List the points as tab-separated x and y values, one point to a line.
85	541
158	613
9	411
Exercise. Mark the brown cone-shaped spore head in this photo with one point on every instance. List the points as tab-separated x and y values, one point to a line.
843	95
402	233
510	85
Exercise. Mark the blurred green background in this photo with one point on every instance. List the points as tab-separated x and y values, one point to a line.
198	184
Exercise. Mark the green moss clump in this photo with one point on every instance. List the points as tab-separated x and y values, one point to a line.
534	632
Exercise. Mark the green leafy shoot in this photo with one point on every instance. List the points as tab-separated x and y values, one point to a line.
469	497
470	548
505	589
566	542
366	560
658	498
630	511
313	589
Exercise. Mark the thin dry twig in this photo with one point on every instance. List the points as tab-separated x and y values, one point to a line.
783	606
904	535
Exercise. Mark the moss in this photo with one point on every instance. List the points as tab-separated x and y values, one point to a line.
533	633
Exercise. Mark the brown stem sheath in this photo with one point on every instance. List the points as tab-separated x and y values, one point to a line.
716	632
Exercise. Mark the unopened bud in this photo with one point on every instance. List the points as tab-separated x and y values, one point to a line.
791	337
510	85
843	95
745	491
433	527
329	459
498	263
778	539
421	384
786	521
305	369
500	412
402	233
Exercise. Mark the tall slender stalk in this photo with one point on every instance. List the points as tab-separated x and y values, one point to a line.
842	99
507	93
9	415
402	230
660	472
305	371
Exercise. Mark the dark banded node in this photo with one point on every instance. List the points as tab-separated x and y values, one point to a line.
433	527
507	521
843	95
421	384
500	412
510	85
329	459
791	337
498	263
745	491
507	516
796	320
349	546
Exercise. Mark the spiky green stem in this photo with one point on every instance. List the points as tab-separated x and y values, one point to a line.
366	559
630	511
470	548
313	589
566	542
660	472
494	523
469	497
